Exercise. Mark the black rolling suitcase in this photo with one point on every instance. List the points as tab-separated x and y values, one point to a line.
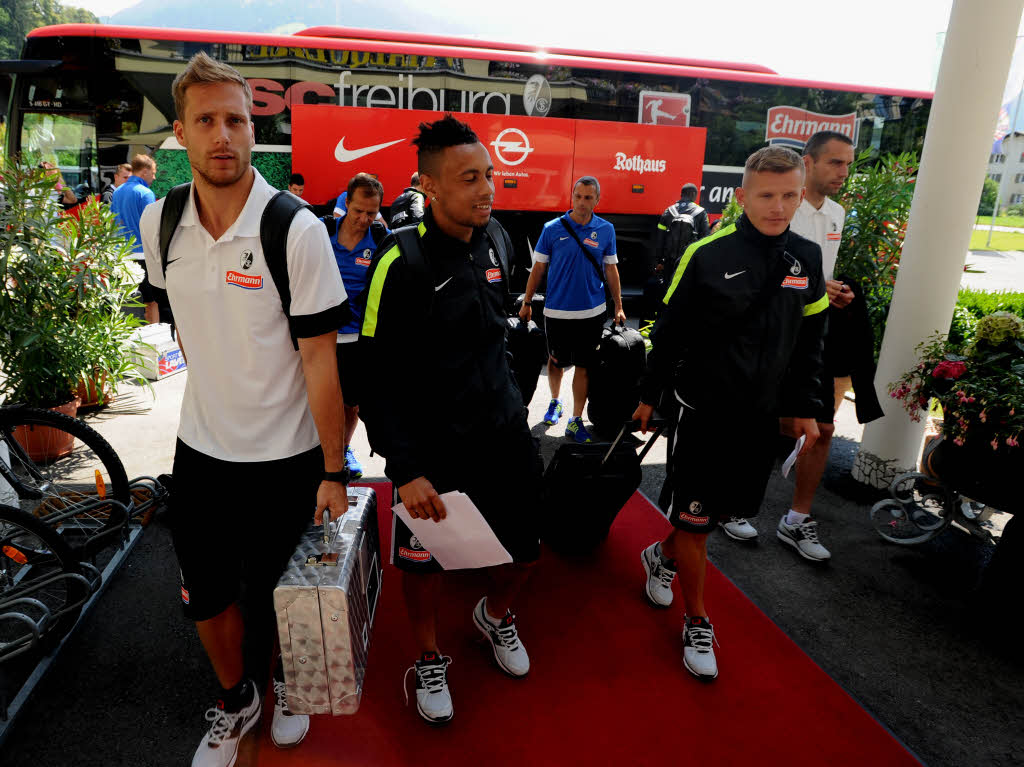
528	348
615	379
586	486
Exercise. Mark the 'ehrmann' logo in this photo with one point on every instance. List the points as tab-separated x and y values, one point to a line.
638	164
792	126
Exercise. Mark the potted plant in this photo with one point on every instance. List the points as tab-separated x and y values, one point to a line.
979	384
63	283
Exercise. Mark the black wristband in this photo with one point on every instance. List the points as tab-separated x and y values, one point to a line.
527	303
344	476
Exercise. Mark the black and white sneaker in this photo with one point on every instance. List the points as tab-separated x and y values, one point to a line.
287	729
698	650
433	700
219	747
804	538
658	587
508	650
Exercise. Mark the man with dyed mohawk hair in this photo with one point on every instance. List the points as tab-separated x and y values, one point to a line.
440	403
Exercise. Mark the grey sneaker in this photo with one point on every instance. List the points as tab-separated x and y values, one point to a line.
739	529
658	587
698	650
287	729
509	652
804	538
433	699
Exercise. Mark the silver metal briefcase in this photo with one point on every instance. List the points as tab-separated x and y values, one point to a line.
325	603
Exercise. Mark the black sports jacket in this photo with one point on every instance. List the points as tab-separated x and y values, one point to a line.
681	224
436	374
717	355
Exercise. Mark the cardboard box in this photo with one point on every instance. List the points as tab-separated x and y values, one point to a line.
156	353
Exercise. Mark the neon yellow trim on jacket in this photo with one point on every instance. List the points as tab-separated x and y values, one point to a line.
663	227
380	274
685	260
818	306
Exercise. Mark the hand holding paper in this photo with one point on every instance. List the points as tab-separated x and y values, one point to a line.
791	458
462	540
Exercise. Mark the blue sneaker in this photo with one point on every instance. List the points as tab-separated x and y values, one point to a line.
355	469
577	431
554	412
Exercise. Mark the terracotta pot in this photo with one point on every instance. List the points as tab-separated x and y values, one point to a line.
43	443
89	391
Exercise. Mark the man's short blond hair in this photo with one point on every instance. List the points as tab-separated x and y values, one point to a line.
125	166
202	70
772	159
141	162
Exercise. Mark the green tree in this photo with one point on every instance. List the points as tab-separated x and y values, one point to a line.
989	192
19	17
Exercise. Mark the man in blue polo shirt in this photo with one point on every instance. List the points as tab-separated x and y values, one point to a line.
355	237
127	204
579	250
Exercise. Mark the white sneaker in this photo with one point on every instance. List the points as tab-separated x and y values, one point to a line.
739	529
219	747
287	729
698	653
433	700
508	650
804	538
659	577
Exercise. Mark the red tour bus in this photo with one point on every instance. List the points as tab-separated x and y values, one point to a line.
332	101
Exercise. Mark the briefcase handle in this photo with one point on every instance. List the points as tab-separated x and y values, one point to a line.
657	421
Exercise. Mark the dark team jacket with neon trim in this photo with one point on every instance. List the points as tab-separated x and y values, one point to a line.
773	362
437	378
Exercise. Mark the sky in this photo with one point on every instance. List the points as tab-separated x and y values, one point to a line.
868	42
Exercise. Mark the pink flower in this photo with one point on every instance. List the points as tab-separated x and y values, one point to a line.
982	416
958	441
1011	442
949	370
995	443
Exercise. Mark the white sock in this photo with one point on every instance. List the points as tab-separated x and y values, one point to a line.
796	518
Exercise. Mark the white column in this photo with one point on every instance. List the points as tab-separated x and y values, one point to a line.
972	74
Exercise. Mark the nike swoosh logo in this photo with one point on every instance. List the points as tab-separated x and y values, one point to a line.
438	287
341	154
562	238
734	274
174	261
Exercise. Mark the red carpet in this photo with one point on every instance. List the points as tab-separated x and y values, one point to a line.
607	685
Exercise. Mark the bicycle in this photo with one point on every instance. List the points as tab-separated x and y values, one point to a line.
73	500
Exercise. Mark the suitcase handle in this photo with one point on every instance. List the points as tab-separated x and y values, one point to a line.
631	426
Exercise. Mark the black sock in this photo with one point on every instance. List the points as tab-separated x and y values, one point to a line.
238	697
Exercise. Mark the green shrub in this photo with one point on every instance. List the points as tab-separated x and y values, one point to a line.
961	330
981	303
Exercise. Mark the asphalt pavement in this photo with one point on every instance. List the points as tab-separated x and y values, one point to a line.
897	627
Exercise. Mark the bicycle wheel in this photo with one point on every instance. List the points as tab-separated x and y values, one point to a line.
34	563
65	491
908	524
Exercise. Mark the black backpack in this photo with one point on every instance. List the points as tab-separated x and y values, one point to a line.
274	224
682	230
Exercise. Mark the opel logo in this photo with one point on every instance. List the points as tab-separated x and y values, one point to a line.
512	146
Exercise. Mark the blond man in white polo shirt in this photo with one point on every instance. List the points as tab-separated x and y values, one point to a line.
259	449
827	157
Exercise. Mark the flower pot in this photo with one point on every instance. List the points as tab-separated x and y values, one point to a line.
90	391
43	443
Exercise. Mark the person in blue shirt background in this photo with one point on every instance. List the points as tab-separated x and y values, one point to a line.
354	237
127	204
578	252
341	204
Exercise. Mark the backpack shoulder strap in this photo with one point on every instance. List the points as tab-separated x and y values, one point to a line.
496	233
274	225
170	215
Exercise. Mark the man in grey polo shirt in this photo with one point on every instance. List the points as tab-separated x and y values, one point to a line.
259	448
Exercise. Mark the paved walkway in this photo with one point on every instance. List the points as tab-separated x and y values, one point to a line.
998	271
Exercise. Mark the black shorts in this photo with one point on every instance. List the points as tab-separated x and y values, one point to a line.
501	475
720	467
236	525
573	342
350	371
146	291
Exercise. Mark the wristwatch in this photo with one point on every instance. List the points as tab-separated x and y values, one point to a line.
344	476
527	303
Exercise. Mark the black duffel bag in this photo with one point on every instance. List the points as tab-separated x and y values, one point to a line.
527	348
614	380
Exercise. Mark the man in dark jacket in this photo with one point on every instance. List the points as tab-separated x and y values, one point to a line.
121	174
407	209
738	341
439	400
682	223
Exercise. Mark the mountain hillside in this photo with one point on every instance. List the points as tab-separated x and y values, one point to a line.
285	15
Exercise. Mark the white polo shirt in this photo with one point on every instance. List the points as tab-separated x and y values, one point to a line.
245	399
823	226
